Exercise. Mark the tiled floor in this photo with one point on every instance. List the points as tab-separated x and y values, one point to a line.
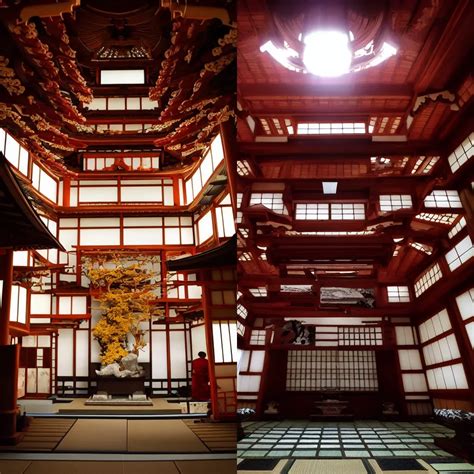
293	440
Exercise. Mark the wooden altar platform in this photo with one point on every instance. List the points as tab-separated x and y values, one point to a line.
160	406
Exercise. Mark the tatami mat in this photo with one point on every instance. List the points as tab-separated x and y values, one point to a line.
207	467
42	435
218	437
323	466
96	436
424	467
163	436
13	467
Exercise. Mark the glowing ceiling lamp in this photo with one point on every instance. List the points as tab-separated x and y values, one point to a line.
327	53
330	41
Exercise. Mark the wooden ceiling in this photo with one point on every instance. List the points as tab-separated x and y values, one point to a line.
420	106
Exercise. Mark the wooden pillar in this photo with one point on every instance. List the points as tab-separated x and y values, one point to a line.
206	299
9	357
230	157
6	276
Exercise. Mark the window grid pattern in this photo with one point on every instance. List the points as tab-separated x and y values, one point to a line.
311	370
121	103
457	228
393	202
331	128
462	153
258	292
460	253
437	218
242	311
330	211
243	168
273	201
257	337
359	336
443	198
422	247
427	279
398	294
16	154
130	163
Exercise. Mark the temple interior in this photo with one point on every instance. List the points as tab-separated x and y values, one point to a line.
355	201
117	248
236	236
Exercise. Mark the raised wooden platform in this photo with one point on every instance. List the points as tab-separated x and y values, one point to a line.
158	406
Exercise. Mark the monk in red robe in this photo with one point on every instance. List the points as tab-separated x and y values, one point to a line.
200	381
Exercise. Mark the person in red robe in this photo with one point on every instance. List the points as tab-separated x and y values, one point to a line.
200	381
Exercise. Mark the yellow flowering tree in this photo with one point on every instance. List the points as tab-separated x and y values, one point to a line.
125	287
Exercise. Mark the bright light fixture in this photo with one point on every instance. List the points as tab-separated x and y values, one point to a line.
327	53
329	187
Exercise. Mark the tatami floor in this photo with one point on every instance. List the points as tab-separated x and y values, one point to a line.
361	448
121	435
226	466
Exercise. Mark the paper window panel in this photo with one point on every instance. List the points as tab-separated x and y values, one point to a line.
24	161
12	150
242	311
217	151
198	338
82	353
177	355
414	383
143	221
143	236
316	211
450	377
428	279
122	76
457	227
187	235
98	194
465	303
434	326
443	198
257	360
355	336
224	348
40	303
462	154
405	335
272	201
225	221
393	202
99	222
410	359
398	294
65	348
310	370
21	258
460	253
100	237
141	194
248	383
257	337
205	228
470	333
443	350
159	370
168	196
243	361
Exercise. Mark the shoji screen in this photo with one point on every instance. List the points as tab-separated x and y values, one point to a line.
250	368
413	376
465	303
445	370
311	370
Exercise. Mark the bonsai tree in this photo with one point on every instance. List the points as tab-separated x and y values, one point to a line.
126	288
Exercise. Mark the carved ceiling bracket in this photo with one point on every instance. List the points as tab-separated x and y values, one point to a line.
445	96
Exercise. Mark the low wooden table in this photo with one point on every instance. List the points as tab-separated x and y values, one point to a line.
332	410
